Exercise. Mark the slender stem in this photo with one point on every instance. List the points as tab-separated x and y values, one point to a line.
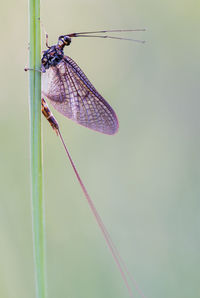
36	152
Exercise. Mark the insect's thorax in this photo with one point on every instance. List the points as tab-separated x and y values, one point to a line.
52	56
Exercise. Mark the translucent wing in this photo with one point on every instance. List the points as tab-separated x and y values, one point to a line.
72	94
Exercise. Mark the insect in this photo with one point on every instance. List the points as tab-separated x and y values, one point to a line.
70	92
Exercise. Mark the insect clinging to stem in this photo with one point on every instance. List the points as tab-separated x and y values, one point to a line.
70	92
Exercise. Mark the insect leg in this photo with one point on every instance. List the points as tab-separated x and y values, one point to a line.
46	35
49	116
35	69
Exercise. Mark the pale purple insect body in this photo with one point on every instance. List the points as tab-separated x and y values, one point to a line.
70	92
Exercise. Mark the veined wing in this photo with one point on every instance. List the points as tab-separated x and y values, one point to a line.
71	93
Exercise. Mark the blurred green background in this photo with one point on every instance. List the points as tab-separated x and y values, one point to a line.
144	181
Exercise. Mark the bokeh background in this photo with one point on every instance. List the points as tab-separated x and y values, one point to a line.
144	181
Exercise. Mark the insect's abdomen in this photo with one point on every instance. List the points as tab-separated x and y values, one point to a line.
49	116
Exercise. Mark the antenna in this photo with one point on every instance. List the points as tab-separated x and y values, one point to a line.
87	34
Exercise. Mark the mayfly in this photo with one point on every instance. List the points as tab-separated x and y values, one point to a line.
70	92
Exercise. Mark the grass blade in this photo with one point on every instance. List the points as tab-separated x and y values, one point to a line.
36	151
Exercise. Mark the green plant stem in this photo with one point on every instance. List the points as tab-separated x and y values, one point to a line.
36	151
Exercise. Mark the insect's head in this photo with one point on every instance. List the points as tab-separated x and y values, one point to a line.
63	40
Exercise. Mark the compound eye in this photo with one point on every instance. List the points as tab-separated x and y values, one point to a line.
67	40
